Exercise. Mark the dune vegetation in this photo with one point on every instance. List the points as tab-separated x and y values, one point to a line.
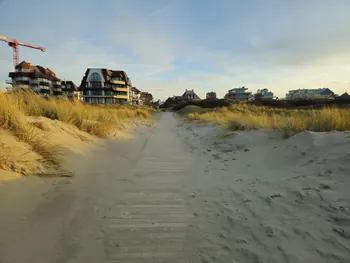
245	117
18	105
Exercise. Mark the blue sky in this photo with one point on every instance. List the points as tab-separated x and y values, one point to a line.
166	46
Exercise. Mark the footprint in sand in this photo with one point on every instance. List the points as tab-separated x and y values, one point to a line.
231	221
268	230
275	195
342	232
324	186
241	241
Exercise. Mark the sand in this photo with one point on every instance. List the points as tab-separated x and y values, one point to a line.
182	192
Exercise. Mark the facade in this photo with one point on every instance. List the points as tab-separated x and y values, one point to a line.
70	91
310	94
265	94
146	98
240	94
190	95
136	96
211	95
37	78
103	86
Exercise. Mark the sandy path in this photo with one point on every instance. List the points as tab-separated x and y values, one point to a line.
177	193
125	204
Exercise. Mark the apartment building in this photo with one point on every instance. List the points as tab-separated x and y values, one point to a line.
104	86
136	96
70	91
190	95
265	94
37	78
238	94
310	94
211	95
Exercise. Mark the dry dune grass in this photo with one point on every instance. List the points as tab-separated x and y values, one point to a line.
244	117
16	106
12	119
91	119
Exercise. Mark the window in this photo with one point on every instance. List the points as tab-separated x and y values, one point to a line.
96	85
96	92
95	77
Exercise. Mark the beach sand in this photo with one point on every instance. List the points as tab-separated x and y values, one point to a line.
186	192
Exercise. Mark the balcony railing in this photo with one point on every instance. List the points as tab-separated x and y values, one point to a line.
120	89
121	96
118	81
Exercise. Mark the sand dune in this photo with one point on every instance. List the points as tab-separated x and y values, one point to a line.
263	199
184	192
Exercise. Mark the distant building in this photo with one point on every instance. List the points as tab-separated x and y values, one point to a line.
211	95
190	95
136	96
104	86
240	94
146	98
264	94
37	78
70	91
310	94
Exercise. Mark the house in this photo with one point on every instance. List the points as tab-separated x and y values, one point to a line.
240	94
264	94
146	98
310	94
190	95
136	96
105	86
70	91
37	78
211	95
345	97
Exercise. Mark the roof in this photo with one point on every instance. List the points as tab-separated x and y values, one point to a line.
73	86
108	74
189	92
135	89
344	96
35	71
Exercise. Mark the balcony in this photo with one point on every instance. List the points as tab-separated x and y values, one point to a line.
117	81
120	89
121	97
10	82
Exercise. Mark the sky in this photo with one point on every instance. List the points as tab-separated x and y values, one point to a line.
167	46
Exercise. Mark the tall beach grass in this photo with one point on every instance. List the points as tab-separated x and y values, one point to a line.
245	117
98	121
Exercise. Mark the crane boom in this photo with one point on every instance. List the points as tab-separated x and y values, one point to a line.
14	43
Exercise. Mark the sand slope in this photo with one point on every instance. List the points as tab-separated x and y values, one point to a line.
263	199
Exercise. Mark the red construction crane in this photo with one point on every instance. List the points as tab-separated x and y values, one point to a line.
14	43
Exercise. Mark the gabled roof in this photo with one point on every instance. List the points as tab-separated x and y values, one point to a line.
71	83
35	71
24	64
344	96
108	74
134	89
